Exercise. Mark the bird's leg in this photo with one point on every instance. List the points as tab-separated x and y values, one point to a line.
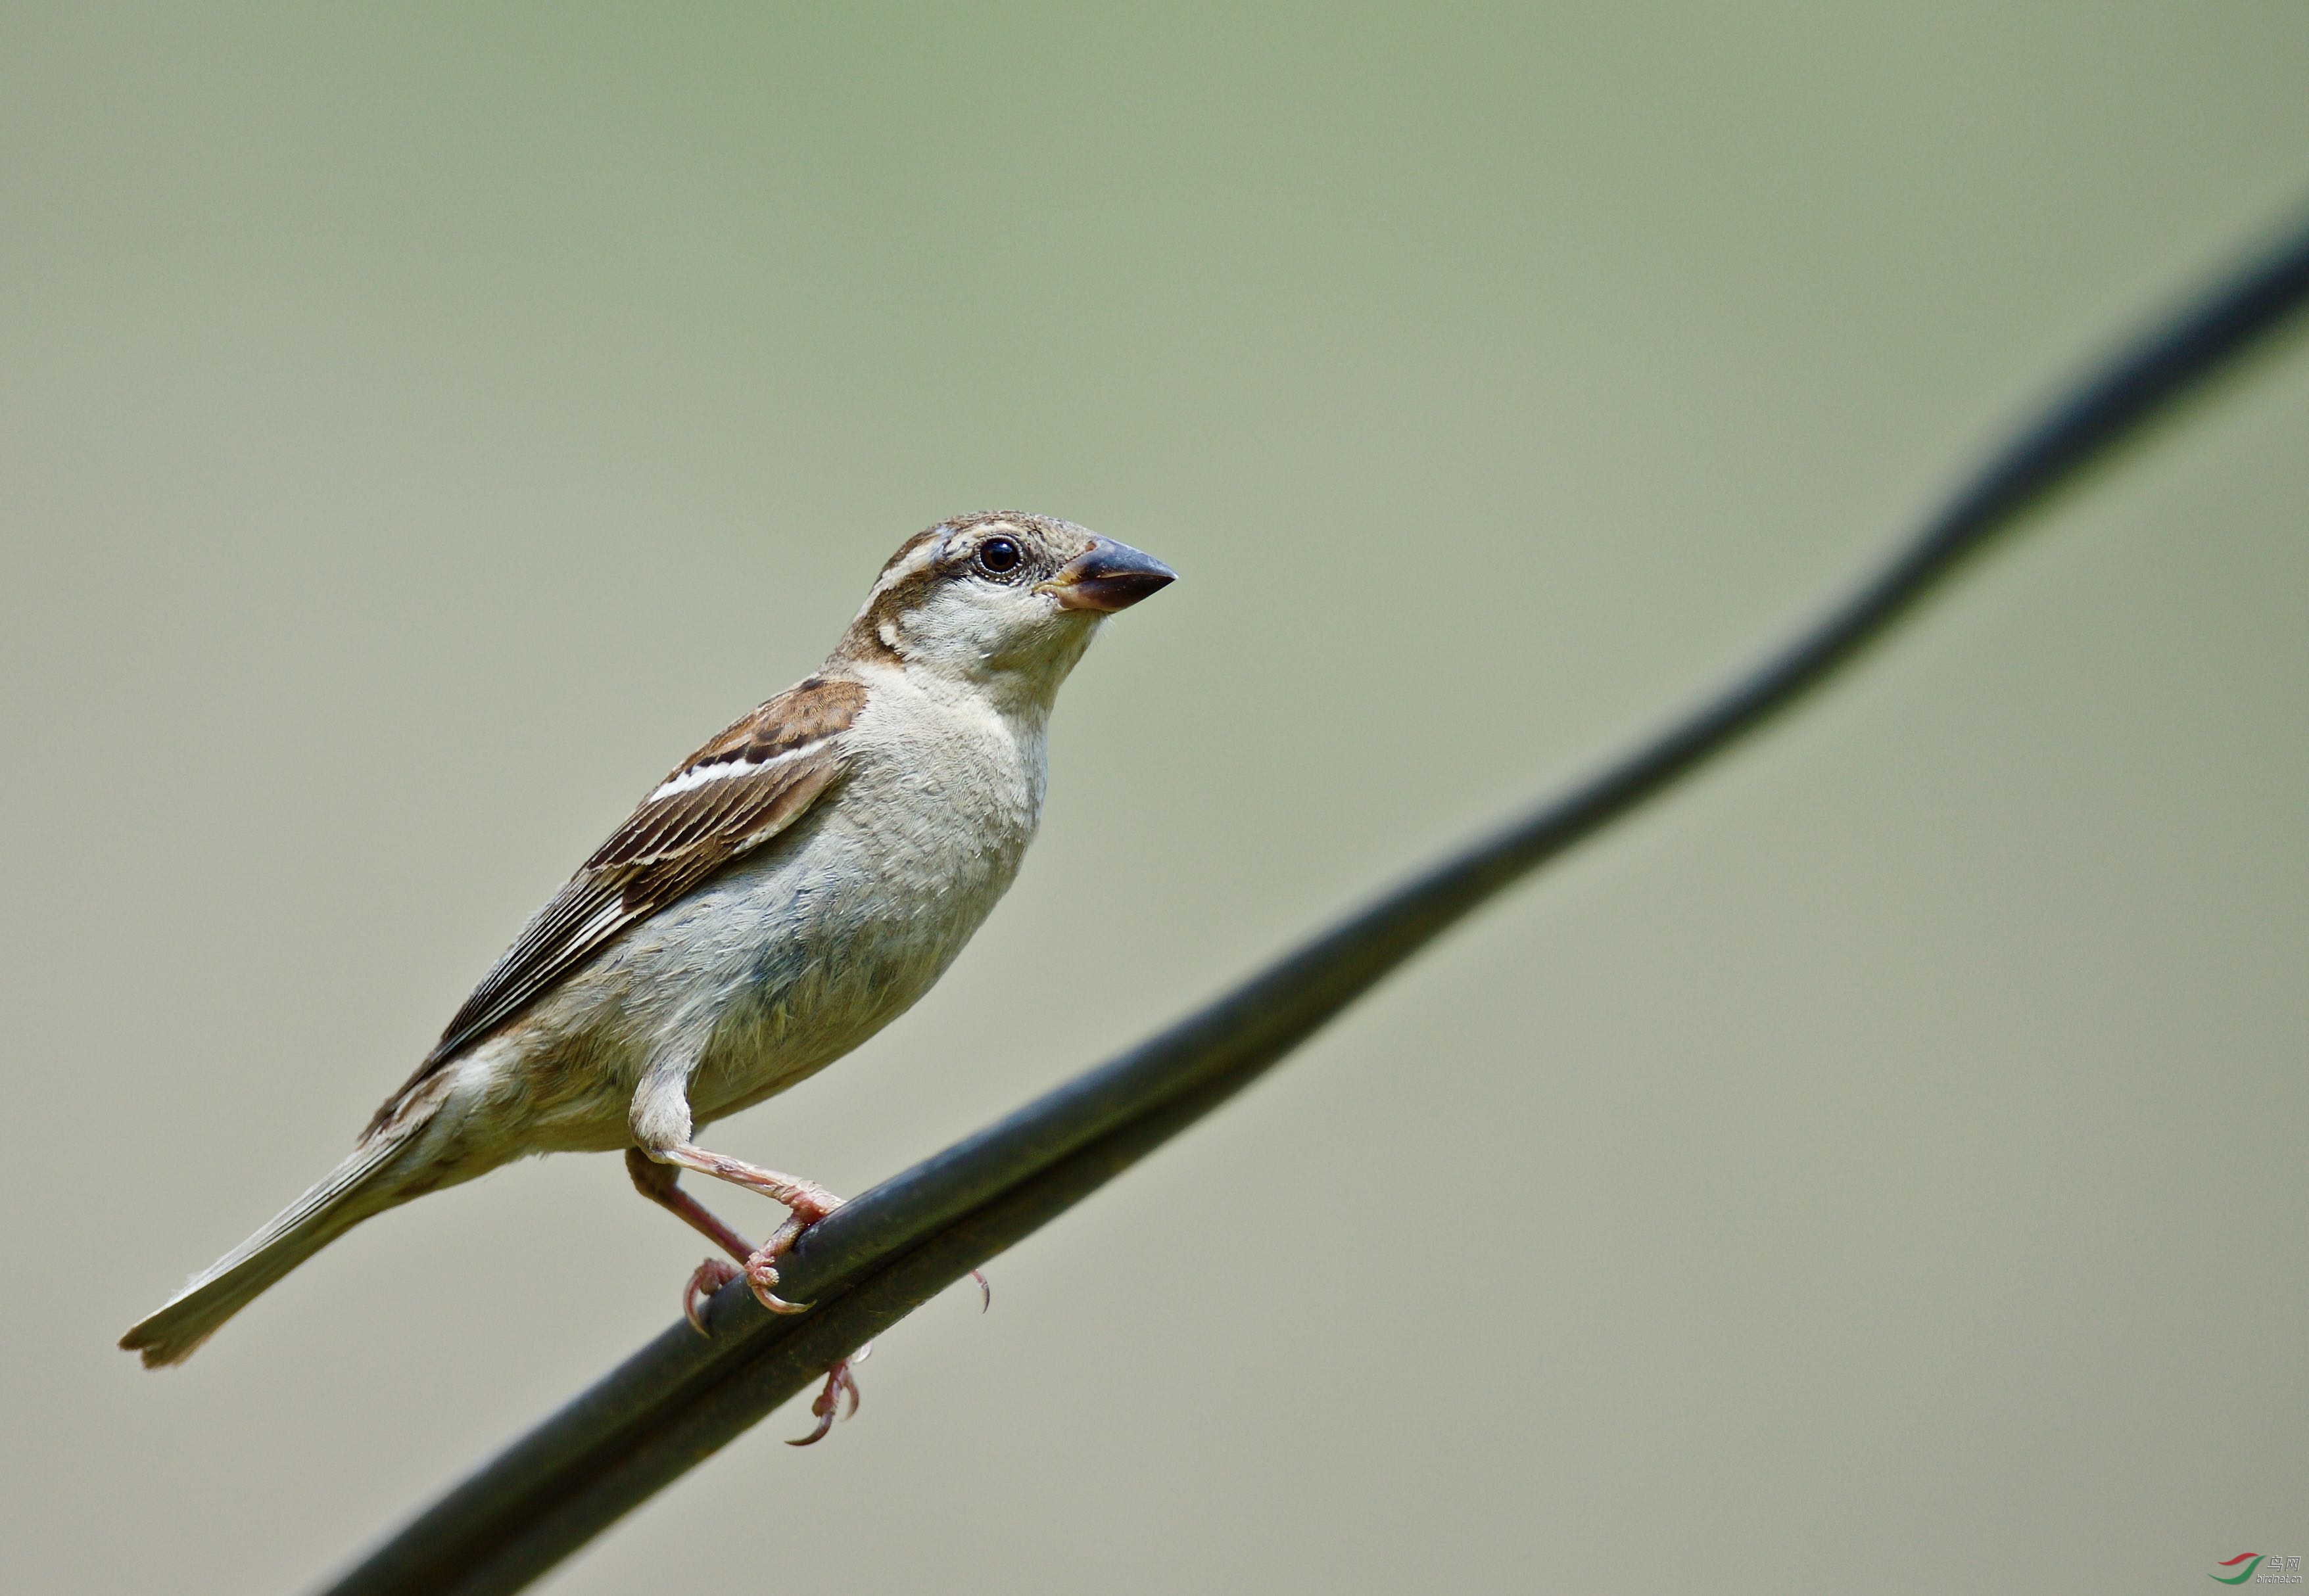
661	1184
806	1201
657	1176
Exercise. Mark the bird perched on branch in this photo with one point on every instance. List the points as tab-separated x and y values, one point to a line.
789	890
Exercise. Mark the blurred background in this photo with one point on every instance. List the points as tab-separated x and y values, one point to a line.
1881	1163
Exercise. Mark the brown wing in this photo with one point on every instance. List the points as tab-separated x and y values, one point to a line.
726	800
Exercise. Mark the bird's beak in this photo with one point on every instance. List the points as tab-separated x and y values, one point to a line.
1112	576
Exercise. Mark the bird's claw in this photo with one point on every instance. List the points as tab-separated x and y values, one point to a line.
985	1291
762	1275
710	1277
839	1381
762	1268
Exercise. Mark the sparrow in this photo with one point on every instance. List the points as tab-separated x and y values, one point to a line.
781	895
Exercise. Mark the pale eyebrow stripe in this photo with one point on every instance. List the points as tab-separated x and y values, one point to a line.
914	563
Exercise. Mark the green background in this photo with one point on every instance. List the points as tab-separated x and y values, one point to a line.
1882	1164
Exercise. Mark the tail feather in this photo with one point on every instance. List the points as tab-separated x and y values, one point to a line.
349	1194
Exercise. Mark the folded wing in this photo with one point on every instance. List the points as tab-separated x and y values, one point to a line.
723	803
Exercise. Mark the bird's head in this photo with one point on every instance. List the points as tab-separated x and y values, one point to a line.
1000	600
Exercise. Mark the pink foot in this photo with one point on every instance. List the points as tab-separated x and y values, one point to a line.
710	1277
839	1380
762	1275
762	1268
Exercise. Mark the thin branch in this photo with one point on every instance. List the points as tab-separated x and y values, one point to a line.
865	1267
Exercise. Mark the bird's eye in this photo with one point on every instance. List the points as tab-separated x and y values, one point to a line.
999	556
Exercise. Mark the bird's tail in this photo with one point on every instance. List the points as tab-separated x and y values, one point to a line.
354	1190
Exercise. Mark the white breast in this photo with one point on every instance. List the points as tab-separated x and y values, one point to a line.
831	938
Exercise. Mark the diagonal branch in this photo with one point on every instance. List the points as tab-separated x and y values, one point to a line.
866	1266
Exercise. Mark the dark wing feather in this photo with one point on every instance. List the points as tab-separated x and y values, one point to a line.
724	801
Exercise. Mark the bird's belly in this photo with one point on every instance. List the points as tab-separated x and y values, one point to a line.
845	936
778	966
